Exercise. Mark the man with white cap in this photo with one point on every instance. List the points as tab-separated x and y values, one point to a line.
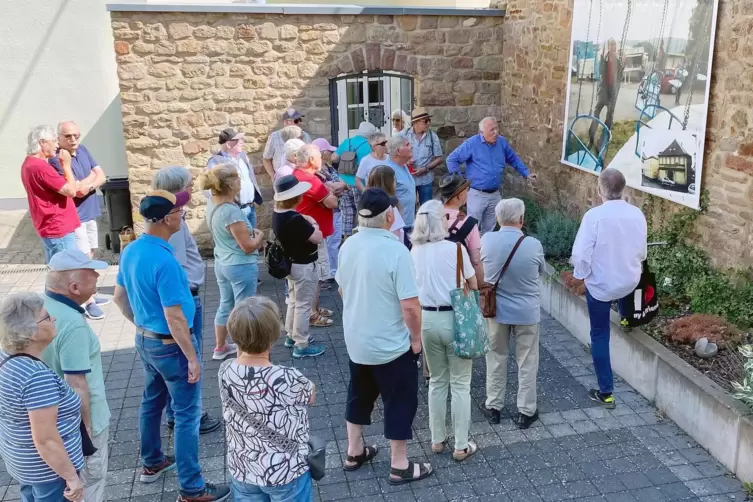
75	355
231	152
273	151
152	292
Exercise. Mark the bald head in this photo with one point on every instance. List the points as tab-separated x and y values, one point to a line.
69	135
611	184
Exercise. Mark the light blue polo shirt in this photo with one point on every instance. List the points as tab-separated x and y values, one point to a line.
375	272
406	191
153	280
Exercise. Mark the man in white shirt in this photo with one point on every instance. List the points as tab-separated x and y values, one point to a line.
608	254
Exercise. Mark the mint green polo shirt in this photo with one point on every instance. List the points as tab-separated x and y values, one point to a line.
76	350
375	272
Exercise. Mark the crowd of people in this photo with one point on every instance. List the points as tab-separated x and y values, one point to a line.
394	249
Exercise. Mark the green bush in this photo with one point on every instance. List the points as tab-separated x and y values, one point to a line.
715	293
744	391
533	215
557	232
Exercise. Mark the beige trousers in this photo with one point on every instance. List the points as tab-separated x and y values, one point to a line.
94	474
527	358
302	283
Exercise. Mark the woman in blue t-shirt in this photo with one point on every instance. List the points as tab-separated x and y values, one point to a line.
40	415
236	249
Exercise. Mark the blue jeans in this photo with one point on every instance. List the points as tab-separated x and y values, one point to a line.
598	313
166	377
425	193
236	282
298	490
250	213
54	245
334	241
51	491
198	332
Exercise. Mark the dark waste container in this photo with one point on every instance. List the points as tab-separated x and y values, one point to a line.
118	203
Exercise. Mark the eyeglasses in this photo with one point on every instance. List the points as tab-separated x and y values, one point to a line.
383	143
72	136
180	210
48	317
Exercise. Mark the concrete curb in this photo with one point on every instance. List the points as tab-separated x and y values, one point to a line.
721	424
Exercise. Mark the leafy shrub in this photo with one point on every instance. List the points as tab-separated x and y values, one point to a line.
716	293
744	391
675	267
692	328
532	216
557	232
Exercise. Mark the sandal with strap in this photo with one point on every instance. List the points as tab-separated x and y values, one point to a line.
438	448
459	456
407	475
369	452
325	312
321	322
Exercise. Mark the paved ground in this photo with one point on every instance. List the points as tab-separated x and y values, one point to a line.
575	452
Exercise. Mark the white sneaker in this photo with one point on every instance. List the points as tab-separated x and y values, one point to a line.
221	353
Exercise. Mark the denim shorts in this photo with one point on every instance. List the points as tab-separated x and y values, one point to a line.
54	245
298	490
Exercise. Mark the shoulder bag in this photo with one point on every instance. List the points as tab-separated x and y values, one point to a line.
87	447
317	446
469	329
488	292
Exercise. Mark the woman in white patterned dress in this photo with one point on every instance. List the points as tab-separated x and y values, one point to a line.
265	411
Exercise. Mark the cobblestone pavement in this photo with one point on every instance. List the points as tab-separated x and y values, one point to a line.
575	452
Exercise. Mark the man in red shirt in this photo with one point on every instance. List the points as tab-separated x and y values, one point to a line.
318	204
50	195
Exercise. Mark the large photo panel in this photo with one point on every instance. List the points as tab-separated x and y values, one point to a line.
638	92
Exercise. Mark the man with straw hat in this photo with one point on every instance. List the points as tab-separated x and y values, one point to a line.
427	153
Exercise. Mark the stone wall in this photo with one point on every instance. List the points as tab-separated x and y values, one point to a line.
536	48
186	76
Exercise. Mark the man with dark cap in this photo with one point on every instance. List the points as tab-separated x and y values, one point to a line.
152	292
274	154
231	152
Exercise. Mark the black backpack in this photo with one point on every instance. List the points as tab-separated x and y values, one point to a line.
278	264
458	232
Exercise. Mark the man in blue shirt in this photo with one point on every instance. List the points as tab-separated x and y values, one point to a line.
399	152
89	176
152	292
485	156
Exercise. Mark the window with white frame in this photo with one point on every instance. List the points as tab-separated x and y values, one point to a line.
370	97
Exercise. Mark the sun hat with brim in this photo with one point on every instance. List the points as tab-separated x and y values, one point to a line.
451	185
158	203
419	114
323	145
288	187
74	259
229	134
375	201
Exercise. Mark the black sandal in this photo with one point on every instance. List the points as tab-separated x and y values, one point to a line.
406	475
369	452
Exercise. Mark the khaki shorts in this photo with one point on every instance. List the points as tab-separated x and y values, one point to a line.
322	264
87	236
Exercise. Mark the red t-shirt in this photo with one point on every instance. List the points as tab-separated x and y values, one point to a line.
54	215
311	205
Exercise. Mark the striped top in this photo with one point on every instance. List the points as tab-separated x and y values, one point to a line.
25	385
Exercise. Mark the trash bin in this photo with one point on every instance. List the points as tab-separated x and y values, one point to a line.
118	203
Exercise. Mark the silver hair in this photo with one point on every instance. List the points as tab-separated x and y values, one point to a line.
291	147
395	143
291	132
62	123
611	184
18	319
429	226
305	154
484	121
366	128
39	133
378	221
510	211
172	179
376	137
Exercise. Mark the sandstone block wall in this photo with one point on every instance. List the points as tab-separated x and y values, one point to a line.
186	76
536	51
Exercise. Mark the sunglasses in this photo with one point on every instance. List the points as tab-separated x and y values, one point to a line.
297	121
383	143
72	136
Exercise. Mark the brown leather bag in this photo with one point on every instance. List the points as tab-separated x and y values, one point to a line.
488	292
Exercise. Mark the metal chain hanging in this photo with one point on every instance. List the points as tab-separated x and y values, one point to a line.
593	80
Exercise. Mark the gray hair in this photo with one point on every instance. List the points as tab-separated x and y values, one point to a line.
291	132
510	211
39	133
291	147
484	121
366	128
611	184
378	221
18	319
376	137
62	123
429	226
172	179
395	143
305	154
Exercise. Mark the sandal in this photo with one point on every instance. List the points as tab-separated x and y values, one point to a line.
438	447
319	321
325	312
369	452
406	475
459	456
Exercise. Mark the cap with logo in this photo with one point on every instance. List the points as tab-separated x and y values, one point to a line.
230	134
74	259
292	114
158	203
375	201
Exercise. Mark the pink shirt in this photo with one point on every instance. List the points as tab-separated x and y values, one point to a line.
473	241
284	169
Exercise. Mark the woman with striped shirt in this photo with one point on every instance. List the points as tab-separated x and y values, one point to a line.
40	415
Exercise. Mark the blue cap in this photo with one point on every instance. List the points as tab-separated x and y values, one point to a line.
74	259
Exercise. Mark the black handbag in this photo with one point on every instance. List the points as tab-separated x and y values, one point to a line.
643	303
87	446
